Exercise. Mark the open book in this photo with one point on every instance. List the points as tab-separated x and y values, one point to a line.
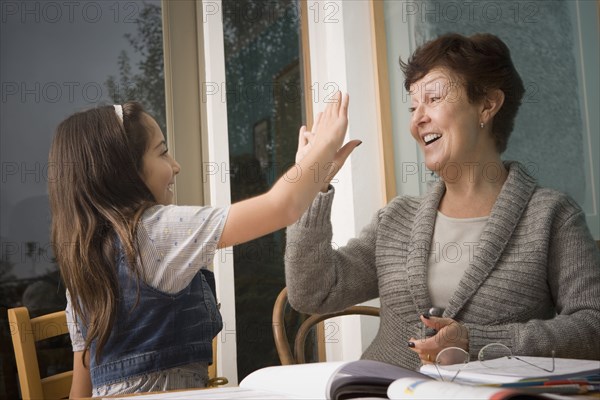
325	380
368	379
344	380
330	380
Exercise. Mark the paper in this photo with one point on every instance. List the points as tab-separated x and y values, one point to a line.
504	370
417	389
306	381
217	394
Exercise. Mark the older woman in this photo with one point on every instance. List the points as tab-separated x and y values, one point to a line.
504	260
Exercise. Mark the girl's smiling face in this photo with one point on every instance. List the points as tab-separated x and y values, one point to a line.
159	168
444	123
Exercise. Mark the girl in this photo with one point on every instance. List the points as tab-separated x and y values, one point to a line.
142	316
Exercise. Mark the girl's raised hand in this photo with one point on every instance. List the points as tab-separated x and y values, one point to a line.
304	137
292	194
332	125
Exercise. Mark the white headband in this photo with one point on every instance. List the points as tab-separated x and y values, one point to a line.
119	111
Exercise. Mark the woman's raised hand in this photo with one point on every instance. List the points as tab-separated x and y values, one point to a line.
328	130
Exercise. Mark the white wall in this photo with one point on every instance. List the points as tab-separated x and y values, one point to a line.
341	53
210	19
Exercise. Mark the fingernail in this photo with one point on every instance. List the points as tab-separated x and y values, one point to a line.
425	315
411	344
358	144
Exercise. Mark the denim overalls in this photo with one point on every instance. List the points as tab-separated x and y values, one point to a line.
156	331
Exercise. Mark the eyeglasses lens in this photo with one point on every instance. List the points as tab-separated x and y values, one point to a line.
451	356
493	351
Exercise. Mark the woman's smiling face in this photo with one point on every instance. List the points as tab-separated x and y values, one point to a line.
444	123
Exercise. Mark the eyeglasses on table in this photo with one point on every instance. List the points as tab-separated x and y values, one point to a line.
492	351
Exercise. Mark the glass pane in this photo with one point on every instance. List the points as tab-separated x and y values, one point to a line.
264	108
550	33
554	45
58	58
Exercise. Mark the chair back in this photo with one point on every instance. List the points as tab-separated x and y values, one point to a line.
280	334
25	332
213	379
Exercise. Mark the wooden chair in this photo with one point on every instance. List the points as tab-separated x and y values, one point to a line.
280	335
213	379
25	333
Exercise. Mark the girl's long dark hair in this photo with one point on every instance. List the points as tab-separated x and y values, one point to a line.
96	197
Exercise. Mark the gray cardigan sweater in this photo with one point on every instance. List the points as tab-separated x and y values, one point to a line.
533	283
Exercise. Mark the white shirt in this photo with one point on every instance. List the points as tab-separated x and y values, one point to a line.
452	247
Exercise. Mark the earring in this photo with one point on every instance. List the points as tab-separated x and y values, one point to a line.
481	124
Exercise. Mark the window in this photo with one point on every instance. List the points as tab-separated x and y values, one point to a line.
557	103
58	58
264	112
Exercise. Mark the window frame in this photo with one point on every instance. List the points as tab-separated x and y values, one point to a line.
331	53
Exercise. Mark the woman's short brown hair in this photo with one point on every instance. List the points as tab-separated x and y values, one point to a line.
482	61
